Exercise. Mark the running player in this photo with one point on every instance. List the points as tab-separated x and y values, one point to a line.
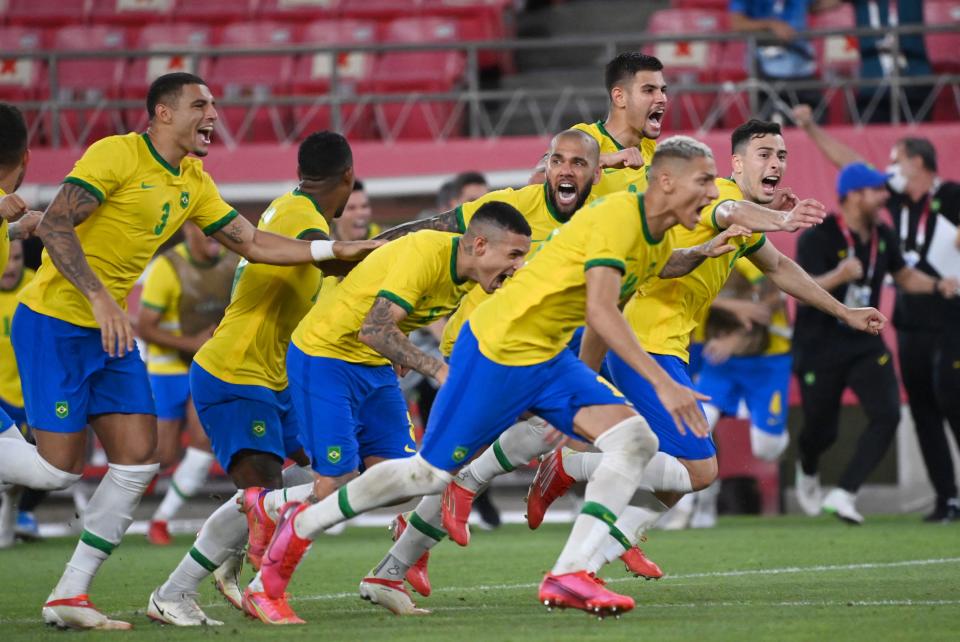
239	381
662	316
513	350
73	340
184	295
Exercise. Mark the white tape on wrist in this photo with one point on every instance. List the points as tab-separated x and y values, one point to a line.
322	250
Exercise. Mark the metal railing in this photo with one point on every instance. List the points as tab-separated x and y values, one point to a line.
475	112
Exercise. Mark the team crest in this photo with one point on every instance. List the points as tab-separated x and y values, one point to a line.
333	454
184	199
259	428
459	454
62	408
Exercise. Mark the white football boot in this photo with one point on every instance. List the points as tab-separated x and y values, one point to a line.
809	493
842	504
180	612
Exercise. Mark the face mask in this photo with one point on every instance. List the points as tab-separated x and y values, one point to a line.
895	178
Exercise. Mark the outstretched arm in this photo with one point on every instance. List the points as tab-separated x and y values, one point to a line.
835	151
381	331
446	222
804	214
258	246
686	260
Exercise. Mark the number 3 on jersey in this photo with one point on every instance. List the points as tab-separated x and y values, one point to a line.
158	230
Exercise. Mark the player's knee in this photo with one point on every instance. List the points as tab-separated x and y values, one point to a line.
703	472
767	446
250	468
628	446
48	477
425	475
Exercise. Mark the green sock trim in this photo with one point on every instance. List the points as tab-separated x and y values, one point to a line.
177	490
502	457
199	558
601	512
425	527
97	542
344	503
618	535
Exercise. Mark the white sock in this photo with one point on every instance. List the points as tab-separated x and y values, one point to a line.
11	432
186	481
423	532
580	465
626	448
518	444
274	500
224	532
766	446
666	473
106	519
297	476
21	464
633	522
380	485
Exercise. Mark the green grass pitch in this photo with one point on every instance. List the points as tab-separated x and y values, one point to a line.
749	579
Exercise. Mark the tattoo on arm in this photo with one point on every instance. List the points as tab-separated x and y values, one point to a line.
446	222
234	230
71	206
380	332
682	262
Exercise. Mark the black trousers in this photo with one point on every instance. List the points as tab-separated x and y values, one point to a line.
872	378
930	367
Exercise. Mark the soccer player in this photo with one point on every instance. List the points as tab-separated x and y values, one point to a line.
355	223
512	357
184	295
662	316
73	340
628	135
239	380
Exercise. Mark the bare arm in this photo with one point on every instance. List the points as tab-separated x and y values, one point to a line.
849	269
25	227
789	277
836	152
446	222
686	260
603	316
758	218
148	325
381	331
916	282
592	349
258	246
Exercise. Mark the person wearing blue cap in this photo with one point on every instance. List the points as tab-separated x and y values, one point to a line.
850	254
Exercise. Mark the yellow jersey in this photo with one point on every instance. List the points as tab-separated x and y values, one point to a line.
10	390
249	346
161	293
616	180
779	325
665	311
4	240
535	206
534	315
418	272
143	202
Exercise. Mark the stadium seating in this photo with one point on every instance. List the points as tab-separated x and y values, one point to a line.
838	57
715	5
253	76
45	13
311	76
943	48
217	12
418	71
130	12
19	77
300	11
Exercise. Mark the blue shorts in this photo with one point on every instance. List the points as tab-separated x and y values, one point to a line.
171	393
574	346
240	417
348	412
762	381
642	395
482	398
11	415
696	359
67	377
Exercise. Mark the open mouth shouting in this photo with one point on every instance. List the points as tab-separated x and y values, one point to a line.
654	121
768	185
205	134
566	194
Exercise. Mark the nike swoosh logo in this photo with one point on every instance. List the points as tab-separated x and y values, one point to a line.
145	186
408	449
157	606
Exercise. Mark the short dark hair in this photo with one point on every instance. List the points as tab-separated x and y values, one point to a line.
169	87
502	215
923	148
448	191
751	129
13	135
324	155
624	66
358	185
463	179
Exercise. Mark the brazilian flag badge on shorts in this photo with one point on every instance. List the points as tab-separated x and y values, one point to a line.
62	409
459	454
333	454
259	428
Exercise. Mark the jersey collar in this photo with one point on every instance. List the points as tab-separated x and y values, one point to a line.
316	205
553	212
603	130
157	157
453	262
643	219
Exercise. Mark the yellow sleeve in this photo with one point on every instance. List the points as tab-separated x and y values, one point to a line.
104	167
708	219
466	211
210	212
161	288
750	272
410	280
608	241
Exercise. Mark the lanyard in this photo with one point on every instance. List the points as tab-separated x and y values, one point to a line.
851	248
921	237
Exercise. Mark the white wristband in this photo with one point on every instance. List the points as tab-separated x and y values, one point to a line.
322	250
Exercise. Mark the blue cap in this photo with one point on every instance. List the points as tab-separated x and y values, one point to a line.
858	176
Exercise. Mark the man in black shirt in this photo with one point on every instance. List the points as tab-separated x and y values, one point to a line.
928	327
850	255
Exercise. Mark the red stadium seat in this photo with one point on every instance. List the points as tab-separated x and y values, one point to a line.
217	12
311	76
45	13
298	10
380	10
253	76
480	20
88	80
19	77
943	49
838	57
130	12
735	459
419	71
142	71
715	5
